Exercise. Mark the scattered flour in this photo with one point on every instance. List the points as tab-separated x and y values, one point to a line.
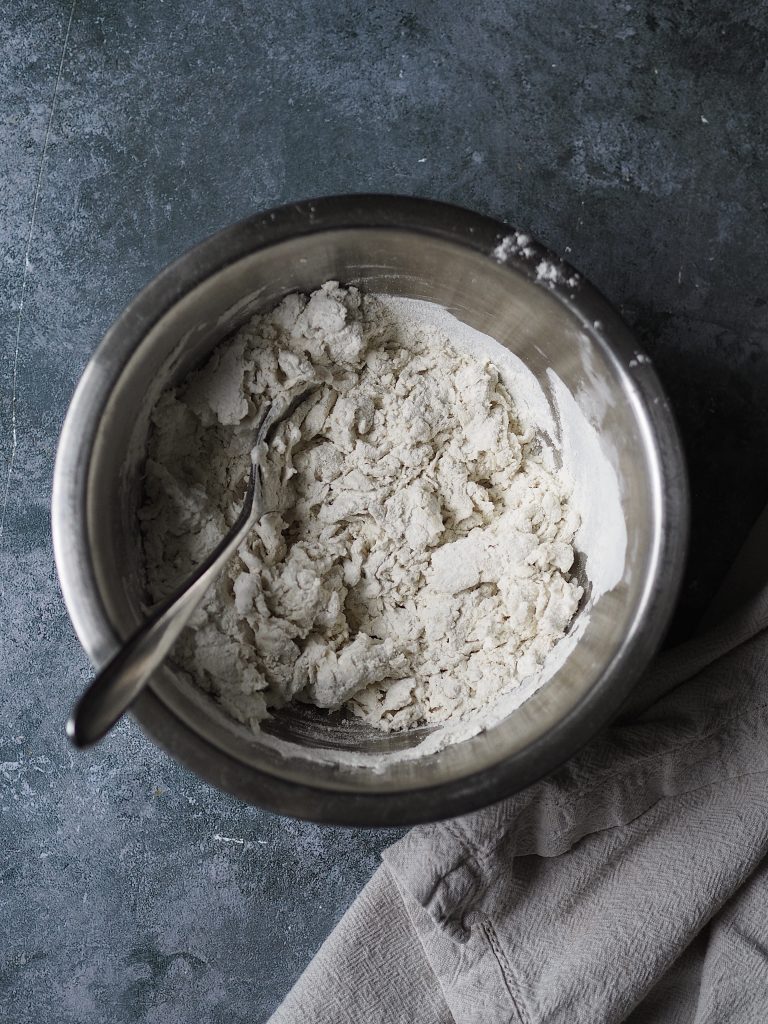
547	272
415	562
513	245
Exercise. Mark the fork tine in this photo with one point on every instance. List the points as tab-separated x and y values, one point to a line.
275	415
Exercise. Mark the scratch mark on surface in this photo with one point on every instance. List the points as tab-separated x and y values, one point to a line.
227	839
35	203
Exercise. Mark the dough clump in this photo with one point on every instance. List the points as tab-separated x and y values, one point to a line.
415	560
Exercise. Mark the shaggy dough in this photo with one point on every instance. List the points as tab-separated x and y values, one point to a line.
414	562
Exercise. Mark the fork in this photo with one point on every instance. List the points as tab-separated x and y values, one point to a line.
121	681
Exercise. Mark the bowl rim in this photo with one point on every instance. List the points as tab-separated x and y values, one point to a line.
519	253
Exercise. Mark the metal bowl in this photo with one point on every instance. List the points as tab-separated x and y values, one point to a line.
419	249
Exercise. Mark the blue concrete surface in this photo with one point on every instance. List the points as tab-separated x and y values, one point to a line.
630	136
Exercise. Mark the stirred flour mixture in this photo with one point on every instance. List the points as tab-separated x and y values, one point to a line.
414	564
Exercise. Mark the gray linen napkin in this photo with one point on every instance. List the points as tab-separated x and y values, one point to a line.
630	885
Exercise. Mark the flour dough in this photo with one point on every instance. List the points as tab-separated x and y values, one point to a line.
415	561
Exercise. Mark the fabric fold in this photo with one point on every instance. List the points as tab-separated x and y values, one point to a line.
370	968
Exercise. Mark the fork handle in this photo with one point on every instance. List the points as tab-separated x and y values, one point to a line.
121	681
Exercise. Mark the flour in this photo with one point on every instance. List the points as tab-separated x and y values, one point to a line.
414	564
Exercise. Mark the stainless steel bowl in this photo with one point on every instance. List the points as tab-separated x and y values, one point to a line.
424	250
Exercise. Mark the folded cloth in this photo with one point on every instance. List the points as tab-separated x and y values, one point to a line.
630	885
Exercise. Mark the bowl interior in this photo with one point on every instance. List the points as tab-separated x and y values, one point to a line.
539	326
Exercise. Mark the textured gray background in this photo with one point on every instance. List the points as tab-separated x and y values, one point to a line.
630	136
